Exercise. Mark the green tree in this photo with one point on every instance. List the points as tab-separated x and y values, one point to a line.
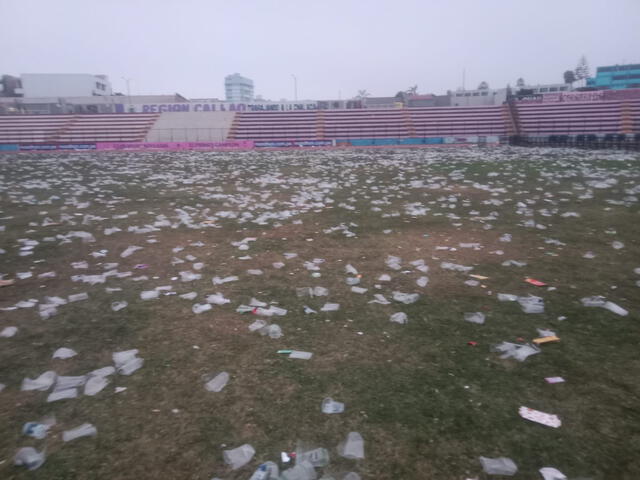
569	76
483	86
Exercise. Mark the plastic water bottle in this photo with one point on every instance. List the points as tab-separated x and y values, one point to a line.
261	473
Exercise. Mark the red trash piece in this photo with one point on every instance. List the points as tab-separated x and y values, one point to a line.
535	282
472	343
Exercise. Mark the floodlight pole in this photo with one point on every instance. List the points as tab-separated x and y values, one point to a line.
128	91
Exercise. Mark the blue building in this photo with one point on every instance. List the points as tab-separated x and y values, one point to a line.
616	77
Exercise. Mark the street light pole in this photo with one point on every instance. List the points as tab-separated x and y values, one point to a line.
295	87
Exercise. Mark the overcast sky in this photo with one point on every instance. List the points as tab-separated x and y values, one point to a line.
334	47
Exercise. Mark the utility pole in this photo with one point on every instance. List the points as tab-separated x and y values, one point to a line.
463	77
295	87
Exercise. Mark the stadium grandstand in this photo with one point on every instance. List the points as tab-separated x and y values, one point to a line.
602	118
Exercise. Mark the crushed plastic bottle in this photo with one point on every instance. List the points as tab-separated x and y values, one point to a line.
8	332
117	306
273	331
350	269
42	383
129	251
257	325
29	457
62	394
455	267
64	353
330	307
201	307
149	294
498	466
218	299
95	385
399	317
379	298
515	351
596	301
531	304
78	297
266	471
238	457
39	429
127	361
599	301
302	471
475	317
300	355
614	308
217	383
406	298
550	473
352	447
351	476
84	430
330	406
318	457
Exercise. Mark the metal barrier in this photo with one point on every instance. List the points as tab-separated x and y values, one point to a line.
615	141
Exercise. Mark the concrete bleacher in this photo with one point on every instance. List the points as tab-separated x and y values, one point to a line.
369	123
579	118
298	125
50	129
31	128
366	123
459	121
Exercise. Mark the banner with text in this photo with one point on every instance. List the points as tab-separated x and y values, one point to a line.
232	145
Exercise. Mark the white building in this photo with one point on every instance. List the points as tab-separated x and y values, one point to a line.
497	96
546	88
478	97
238	88
64	85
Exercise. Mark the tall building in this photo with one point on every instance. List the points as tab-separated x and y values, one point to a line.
238	88
616	77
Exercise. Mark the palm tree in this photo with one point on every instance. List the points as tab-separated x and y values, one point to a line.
362	94
412	90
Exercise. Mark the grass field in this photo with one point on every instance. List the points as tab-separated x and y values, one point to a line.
426	402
